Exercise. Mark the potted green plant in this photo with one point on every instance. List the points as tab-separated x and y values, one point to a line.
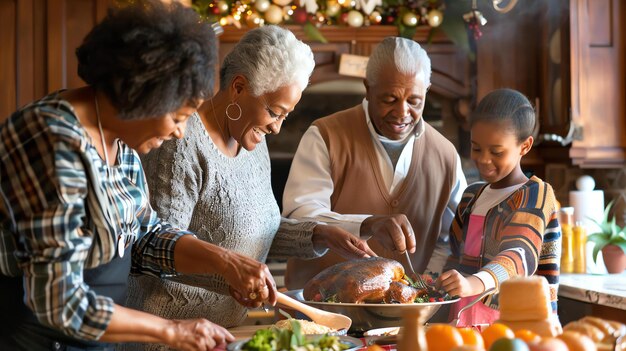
611	240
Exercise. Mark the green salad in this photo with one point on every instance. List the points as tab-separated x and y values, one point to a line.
275	339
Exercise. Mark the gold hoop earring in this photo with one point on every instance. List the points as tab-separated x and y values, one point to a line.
238	107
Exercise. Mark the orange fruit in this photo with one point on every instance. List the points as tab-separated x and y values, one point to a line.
375	348
496	331
576	341
468	348
548	344
443	337
472	337
527	335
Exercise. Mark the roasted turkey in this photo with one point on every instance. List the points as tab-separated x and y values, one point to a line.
370	280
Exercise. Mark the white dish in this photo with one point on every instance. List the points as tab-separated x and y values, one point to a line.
382	331
366	316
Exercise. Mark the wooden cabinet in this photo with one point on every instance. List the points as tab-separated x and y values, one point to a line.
37	43
598	64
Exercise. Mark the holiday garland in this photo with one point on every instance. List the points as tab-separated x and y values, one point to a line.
312	14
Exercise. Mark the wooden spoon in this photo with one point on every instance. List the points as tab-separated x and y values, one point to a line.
329	319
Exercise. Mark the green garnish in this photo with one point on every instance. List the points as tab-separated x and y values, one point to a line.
275	339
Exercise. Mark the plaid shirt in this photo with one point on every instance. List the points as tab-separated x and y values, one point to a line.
57	218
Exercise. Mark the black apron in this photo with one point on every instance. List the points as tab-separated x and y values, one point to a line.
20	330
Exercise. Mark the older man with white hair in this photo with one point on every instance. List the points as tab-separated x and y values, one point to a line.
378	169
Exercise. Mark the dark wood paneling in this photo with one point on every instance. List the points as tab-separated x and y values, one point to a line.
25	51
508	52
8	88
39	57
56	42
81	17
38	39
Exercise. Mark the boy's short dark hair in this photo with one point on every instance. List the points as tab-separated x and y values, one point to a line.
510	108
150	58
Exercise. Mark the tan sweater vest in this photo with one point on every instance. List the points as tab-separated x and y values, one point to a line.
359	187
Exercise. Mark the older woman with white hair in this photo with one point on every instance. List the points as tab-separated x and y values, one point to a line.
216	182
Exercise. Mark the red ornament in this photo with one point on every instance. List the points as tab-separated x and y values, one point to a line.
343	18
475	28
390	19
216	10
300	16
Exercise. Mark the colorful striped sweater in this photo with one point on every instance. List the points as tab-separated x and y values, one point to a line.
522	237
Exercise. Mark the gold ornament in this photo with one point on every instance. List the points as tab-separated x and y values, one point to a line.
320	17
222	6
287	13
332	8
282	2
409	19
435	17
376	17
254	20
261	5
274	14
347	3
355	18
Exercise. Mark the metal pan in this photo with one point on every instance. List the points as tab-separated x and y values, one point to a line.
366	316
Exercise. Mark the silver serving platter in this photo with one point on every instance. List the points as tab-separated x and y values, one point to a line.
366	316
352	343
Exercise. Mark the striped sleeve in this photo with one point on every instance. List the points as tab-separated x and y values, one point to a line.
521	237
550	257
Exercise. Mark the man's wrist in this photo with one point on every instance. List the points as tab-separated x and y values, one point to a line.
366	228
319	236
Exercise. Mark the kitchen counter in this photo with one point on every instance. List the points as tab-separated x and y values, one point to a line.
592	295
607	290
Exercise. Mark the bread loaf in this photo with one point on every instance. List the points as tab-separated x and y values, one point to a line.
606	327
620	328
525	299
595	333
603	332
578	342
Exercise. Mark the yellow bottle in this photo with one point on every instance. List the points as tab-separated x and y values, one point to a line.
566	217
580	248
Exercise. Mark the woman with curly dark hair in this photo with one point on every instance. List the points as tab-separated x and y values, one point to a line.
74	212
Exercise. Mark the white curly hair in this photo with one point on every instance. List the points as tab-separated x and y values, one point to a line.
270	57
